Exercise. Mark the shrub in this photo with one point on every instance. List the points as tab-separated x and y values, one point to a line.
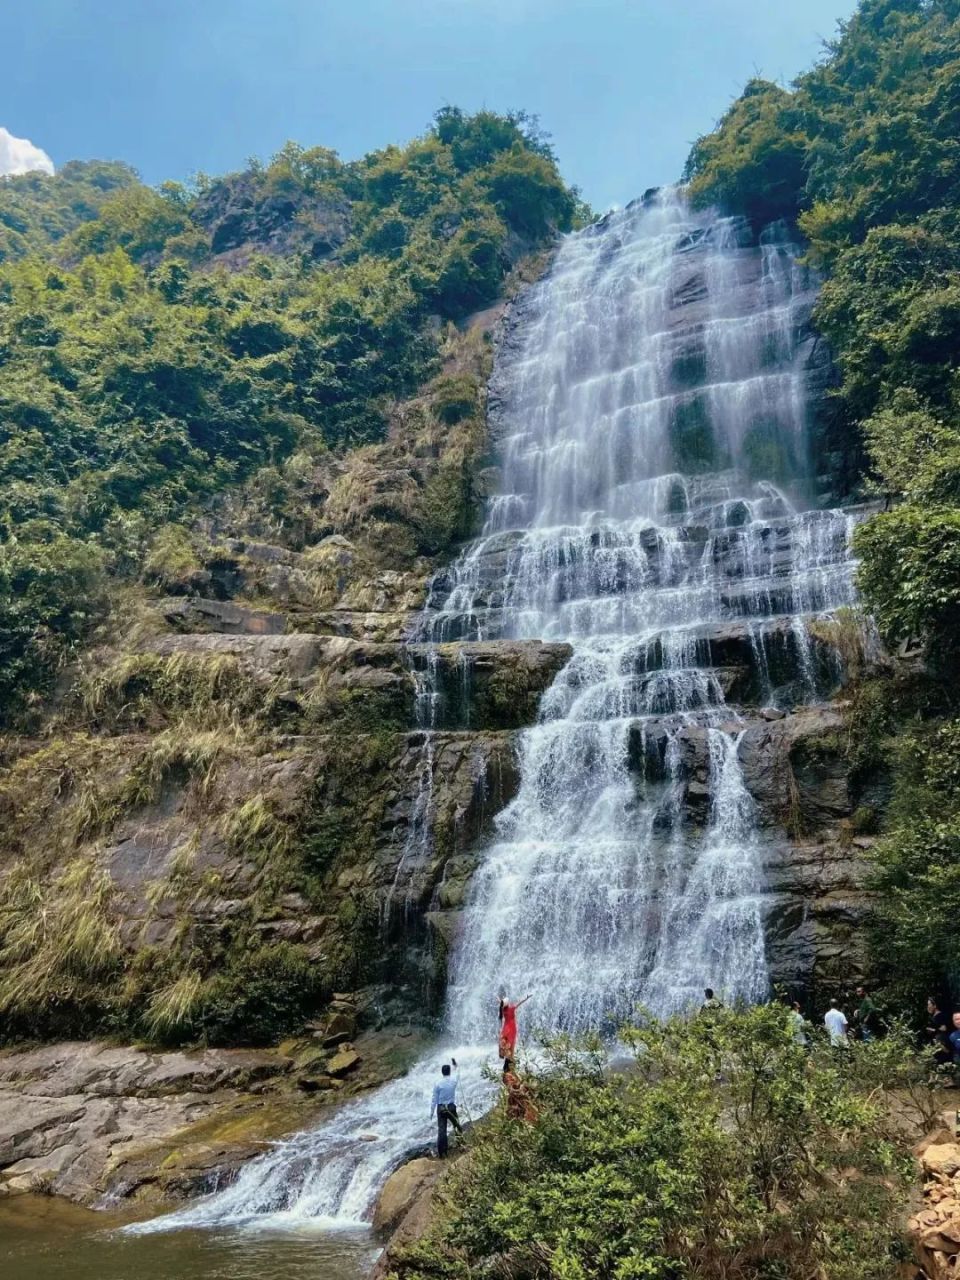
261	995
788	1165
171	561
51	595
455	397
910	574
60	952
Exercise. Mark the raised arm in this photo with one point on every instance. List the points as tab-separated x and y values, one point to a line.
520	1002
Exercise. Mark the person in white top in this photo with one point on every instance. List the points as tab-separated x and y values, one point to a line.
444	1104
836	1023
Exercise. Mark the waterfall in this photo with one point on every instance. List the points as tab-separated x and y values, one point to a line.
654	512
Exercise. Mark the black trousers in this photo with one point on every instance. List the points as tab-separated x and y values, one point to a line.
446	1114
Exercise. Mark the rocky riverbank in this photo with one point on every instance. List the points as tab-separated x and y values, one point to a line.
935	1227
102	1124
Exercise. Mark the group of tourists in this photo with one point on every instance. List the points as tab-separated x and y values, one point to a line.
866	1020
942	1033
520	1104
866	1023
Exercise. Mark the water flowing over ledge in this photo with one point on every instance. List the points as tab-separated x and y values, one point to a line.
655	492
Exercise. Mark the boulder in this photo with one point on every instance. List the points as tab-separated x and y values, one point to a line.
340	1027
941	1158
343	1062
402	1189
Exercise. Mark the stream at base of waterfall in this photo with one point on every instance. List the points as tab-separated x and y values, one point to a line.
652	441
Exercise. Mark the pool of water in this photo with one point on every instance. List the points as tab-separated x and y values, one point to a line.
46	1239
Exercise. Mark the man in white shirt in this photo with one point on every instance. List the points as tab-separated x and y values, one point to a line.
445	1105
836	1024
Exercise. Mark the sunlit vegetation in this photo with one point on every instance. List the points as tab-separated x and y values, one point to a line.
160	348
725	1151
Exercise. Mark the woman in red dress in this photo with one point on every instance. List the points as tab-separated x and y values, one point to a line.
508	1026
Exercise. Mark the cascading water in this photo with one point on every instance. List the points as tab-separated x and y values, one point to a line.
651	425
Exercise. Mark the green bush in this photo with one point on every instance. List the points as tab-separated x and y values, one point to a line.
51	595
916	872
726	1150
910	573
260	996
754	163
455	397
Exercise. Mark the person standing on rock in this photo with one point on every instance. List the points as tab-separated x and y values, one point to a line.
835	1020
507	1018
444	1105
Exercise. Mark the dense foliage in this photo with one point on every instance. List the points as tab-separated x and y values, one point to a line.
916	874
37	211
861	155
159	347
726	1150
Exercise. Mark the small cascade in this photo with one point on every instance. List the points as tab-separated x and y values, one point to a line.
418	841
653	513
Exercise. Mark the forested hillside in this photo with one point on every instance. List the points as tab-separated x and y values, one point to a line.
161	347
273	355
243	410
862	156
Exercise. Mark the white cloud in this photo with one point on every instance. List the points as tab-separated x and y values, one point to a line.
18	155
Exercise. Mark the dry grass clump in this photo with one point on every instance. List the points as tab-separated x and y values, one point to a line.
181	755
57	941
848	632
174	1006
145	690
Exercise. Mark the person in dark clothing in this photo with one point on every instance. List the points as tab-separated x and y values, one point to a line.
954	1039
445	1105
710	1001
937	1032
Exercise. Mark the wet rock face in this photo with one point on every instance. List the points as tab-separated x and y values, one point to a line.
797	774
372	685
495	684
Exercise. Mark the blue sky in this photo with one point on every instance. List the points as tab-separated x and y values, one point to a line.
177	86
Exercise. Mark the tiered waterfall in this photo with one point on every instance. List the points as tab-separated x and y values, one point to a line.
654	510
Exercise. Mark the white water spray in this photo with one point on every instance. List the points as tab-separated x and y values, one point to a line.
652	423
